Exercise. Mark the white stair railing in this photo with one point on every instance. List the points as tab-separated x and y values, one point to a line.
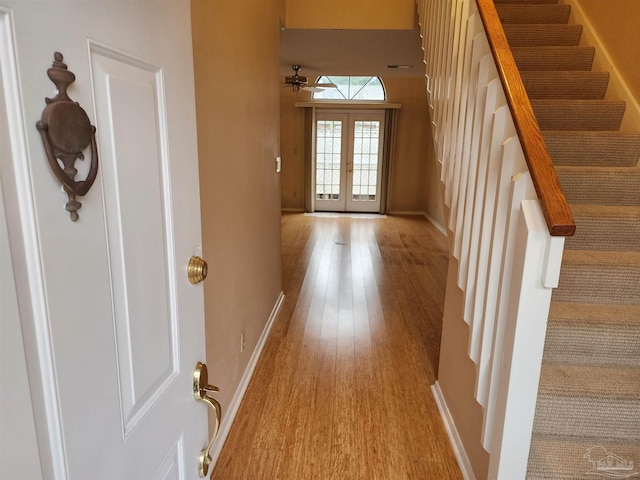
508	262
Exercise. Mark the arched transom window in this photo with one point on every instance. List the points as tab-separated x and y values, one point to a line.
351	88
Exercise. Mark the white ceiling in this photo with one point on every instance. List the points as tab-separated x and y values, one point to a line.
351	52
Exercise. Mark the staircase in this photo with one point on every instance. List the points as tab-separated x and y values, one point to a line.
588	405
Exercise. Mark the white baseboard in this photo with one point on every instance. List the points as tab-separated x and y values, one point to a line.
232	410
421	214
405	212
452	432
436	224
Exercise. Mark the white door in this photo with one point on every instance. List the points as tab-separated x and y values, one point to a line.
112	327
348	155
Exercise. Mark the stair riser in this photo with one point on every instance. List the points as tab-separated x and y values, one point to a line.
553	58
565	85
533	13
587	417
611	233
600	189
567	458
602	284
590	344
593	149
578	115
543	35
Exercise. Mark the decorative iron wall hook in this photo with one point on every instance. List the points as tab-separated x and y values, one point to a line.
66	131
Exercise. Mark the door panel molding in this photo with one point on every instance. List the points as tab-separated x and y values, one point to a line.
172	467
137	226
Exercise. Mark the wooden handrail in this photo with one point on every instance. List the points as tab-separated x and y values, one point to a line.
552	200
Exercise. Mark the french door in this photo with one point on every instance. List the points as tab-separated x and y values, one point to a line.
348	154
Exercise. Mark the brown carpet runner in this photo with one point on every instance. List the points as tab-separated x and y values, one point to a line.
588	406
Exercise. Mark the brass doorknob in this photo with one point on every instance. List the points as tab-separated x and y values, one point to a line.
197	269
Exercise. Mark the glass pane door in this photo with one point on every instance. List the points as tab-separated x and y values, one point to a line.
330	168
364	168
348	153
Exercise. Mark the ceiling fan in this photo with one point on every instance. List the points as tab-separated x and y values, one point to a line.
298	82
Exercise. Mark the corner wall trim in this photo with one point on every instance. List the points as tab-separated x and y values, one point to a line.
234	405
452	432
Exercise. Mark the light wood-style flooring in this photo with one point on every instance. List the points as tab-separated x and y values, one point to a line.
342	388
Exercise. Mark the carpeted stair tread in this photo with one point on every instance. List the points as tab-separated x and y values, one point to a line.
605	227
587	148
533	13
588	400
539	34
565	85
556	457
593	334
578	114
589	381
593	313
553	58
600	185
590	276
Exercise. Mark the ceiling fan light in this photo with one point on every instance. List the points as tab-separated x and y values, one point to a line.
296	79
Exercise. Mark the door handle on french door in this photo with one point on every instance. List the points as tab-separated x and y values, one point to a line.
200	390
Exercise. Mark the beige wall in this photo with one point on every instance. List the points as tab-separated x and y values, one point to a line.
355	14
236	46
409	186
457	375
617	23
413	183
292	148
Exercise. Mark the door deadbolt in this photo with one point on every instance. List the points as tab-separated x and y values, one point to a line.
197	269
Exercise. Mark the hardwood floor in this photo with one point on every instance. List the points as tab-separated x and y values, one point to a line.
342	388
